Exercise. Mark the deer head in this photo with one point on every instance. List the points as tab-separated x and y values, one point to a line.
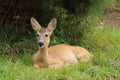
43	34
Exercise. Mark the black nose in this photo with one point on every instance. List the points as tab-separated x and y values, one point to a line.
41	44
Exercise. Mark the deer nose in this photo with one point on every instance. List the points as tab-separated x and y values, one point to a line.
41	44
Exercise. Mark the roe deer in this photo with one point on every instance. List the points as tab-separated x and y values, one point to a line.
58	55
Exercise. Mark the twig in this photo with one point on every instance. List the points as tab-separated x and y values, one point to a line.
5	15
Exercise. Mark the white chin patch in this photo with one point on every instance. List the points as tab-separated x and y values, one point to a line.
41	46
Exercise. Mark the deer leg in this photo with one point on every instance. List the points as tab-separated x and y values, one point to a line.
38	65
55	64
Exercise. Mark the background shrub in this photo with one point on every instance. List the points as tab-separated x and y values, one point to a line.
76	19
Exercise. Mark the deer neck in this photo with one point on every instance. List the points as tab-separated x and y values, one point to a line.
44	51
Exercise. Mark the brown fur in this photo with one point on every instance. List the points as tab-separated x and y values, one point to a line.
58	55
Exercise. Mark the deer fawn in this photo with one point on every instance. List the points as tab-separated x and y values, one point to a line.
58	55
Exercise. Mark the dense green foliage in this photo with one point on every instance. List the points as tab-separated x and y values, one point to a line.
72	18
75	18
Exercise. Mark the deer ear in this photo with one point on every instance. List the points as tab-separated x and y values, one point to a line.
35	25
52	24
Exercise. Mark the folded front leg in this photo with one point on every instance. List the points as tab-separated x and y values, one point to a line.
55	63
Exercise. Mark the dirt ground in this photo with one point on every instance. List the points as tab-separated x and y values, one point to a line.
112	19
112	16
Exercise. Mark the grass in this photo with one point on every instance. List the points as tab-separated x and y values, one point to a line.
103	43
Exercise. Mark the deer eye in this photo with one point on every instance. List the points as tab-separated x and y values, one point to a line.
37	35
46	35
